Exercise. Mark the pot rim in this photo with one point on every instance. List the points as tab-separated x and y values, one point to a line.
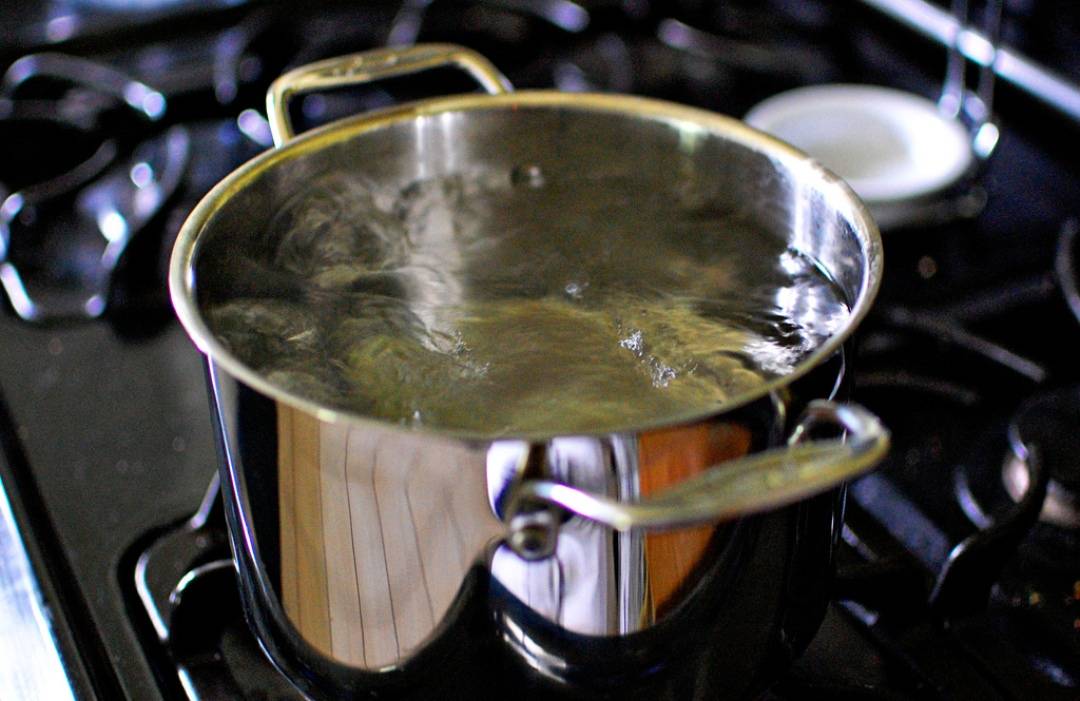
182	283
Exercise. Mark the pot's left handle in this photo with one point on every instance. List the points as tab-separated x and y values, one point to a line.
740	487
370	66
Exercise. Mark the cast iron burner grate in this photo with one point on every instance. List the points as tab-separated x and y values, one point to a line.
1003	599
64	228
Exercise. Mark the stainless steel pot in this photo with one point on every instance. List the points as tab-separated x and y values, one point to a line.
679	560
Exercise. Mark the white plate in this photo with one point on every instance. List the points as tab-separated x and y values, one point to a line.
890	146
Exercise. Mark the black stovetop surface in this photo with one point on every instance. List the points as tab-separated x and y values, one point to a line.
106	427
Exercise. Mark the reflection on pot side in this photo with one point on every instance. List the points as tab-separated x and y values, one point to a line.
375	539
377	536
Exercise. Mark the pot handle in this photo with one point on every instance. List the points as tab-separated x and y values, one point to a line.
370	66
739	487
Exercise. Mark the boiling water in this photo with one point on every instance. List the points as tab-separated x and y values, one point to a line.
517	303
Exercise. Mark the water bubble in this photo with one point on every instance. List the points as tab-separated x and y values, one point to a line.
635	342
530	175
575	290
662	375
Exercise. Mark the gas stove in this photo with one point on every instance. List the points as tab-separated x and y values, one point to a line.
959	575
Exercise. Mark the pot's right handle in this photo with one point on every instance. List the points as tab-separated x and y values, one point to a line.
740	487
370	66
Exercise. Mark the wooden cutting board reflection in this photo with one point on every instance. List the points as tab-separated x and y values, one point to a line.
375	538
378	530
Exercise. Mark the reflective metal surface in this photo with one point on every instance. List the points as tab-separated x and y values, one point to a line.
30	663
787	194
375	557
1010	65
370	66
784	474
376	560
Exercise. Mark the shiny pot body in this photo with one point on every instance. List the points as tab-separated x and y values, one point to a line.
685	560
374	561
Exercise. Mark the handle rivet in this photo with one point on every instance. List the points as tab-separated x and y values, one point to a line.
533	534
